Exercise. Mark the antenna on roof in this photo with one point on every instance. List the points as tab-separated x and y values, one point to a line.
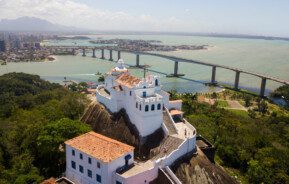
145	70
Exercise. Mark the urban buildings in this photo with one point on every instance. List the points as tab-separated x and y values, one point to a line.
2	46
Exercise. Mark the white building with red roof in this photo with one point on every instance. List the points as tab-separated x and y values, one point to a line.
94	158
142	99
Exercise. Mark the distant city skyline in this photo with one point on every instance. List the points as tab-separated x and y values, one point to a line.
258	17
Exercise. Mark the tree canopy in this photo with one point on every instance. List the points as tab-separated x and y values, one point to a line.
36	117
258	147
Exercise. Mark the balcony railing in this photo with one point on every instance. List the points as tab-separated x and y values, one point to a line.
149	99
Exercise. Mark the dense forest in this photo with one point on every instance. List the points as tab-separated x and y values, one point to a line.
253	145
36	117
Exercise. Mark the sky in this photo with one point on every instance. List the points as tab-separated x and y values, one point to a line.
253	17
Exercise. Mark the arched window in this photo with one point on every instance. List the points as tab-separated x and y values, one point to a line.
159	106
146	108
156	82
144	87
136	105
130	93
140	107
153	107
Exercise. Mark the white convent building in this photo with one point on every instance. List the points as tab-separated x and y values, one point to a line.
93	158
142	99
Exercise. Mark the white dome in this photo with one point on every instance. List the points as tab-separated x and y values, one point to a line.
120	64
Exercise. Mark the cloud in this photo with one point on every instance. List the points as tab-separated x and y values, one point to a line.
71	13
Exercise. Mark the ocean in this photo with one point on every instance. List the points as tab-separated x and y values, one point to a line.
269	57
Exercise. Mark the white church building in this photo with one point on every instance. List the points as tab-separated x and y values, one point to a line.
149	109
142	99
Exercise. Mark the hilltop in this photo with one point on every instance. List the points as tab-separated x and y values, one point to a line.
32	24
36	117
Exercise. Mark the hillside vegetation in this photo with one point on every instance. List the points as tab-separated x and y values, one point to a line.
36	117
253	148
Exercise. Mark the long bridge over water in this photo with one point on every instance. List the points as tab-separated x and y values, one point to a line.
176	60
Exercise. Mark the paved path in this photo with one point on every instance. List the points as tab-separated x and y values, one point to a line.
233	104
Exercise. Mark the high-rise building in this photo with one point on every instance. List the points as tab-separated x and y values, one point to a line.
2	46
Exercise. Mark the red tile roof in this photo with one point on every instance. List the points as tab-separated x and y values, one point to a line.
127	80
176	112
100	147
49	181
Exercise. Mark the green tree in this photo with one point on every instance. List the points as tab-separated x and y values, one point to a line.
252	113
214	95
73	105
101	78
26	101
247	99
50	144
82	87
173	94
256	173
72	87
262	106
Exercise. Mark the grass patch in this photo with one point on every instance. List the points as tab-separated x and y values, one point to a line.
222	103
239	112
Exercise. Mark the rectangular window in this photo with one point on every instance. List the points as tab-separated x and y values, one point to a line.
80	168
144	94
89	160
89	173
130	93
73	165
73	152
80	156
98	165
98	178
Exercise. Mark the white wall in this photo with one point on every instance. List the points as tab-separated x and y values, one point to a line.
146	122
78	177
140	178
176	104
166	97
109	103
106	170
187	146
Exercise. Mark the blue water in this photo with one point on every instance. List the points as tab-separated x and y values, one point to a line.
269	57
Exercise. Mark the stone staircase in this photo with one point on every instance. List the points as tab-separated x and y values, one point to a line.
168	145
169	123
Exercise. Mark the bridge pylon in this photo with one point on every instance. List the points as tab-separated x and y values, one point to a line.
237	77
213	78
93	53
263	86
176	69
110	55
83	52
102	54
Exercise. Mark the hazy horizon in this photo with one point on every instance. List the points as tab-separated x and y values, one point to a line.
261	18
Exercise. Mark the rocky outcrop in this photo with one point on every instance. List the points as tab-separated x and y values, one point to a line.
111	125
118	126
199	170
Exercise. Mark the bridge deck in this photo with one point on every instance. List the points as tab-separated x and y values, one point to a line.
173	58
